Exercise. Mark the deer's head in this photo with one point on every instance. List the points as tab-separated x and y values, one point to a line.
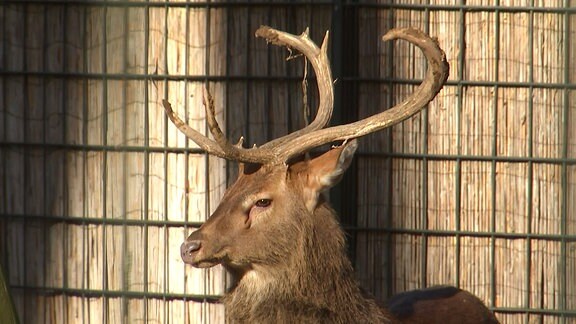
266	213
263	216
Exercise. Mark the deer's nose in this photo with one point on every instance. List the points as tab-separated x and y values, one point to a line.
188	248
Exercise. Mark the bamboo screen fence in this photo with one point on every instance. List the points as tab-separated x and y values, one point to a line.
98	190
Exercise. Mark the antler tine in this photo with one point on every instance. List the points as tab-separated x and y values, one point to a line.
229	149
221	147
204	142
318	58
436	76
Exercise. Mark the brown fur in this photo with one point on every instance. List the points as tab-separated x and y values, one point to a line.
305	287
288	258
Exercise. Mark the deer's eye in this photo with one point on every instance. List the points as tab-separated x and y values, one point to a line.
260	206
263	203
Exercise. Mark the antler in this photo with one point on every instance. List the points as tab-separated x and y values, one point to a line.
282	149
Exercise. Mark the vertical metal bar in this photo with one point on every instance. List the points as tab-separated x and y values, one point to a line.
530	165
458	171
44	157
147	158
125	262
85	234
26	104
105	308
564	173
207	272
424	188
288	73
269	85
63	97
186	144
248	65
494	152
390	167
4	151
228	14
166	247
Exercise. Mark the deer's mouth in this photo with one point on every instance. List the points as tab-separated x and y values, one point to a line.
206	263
197	261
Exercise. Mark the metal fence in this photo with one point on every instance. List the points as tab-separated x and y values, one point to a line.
98	190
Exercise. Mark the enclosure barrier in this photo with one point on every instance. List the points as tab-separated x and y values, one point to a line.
98	190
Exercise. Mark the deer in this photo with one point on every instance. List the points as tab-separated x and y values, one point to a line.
274	230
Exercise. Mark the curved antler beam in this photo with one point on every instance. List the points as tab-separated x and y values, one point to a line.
436	76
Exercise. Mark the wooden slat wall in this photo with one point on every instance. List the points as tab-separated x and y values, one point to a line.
83	134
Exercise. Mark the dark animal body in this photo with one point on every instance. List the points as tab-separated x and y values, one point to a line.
441	304
275	232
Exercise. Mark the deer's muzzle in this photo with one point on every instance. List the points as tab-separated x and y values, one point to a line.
188	250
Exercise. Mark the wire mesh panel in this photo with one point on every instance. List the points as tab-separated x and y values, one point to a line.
97	197
98	190
484	178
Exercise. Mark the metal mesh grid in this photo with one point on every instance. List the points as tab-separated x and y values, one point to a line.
59	64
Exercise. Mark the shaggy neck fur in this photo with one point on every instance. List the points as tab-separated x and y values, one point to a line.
314	284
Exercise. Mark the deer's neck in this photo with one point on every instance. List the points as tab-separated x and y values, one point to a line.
316	284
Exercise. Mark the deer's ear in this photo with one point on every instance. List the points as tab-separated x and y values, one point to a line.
326	170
